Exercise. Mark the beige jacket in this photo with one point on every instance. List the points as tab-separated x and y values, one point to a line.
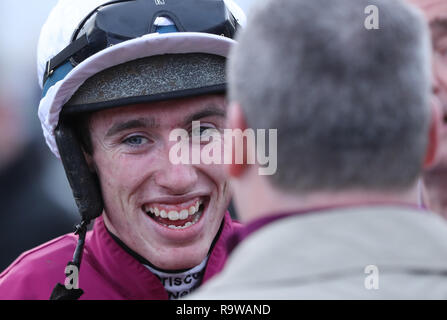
351	253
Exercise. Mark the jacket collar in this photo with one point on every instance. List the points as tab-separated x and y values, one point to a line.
219	253
241	233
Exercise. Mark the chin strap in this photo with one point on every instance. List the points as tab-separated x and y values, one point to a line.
71	291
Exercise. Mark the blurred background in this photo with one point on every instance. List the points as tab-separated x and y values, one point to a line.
36	204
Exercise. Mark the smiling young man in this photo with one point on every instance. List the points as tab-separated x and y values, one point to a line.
184	203
435	179
117	78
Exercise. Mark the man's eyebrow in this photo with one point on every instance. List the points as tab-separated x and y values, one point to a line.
208	112
131	124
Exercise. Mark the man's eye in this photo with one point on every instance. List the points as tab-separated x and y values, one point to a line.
202	131
135	141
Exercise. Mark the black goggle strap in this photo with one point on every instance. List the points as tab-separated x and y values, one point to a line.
64	56
75	46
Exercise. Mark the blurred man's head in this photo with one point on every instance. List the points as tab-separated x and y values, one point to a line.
351	105
436	178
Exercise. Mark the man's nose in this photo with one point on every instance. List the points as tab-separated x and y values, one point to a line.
176	178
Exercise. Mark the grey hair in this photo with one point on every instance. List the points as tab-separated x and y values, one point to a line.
351	105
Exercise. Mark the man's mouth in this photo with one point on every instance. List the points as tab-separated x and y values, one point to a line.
176	216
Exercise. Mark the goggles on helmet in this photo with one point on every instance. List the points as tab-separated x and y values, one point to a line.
118	21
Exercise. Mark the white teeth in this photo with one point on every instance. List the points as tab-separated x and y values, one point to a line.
173	215
184	214
177	228
187	225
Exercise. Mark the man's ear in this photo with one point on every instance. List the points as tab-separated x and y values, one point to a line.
236	120
434	134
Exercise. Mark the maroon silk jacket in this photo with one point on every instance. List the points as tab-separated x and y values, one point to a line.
107	270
